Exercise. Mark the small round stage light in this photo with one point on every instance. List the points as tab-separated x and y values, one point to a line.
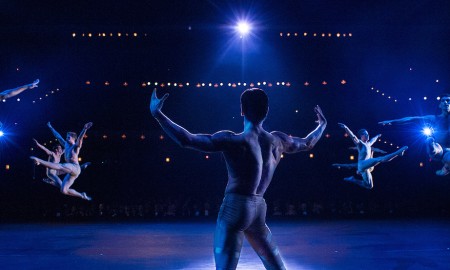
427	131
243	28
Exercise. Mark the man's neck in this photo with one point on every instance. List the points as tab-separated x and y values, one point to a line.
252	126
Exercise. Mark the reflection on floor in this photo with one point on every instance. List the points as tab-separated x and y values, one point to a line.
376	244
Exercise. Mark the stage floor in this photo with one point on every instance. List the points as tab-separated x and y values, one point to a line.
344	244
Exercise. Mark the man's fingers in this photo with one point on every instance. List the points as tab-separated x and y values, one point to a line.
164	97
154	94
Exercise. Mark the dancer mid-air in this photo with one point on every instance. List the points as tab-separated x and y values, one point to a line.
54	156
366	161
72	148
438	145
251	157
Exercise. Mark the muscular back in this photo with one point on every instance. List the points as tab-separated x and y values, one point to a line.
251	157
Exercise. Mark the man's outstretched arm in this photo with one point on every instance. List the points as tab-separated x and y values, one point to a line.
350	133
296	144
406	120
79	141
374	139
15	91
48	152
200	142
56	134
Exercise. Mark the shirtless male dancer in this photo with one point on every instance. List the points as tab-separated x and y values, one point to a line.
251	158
438	145
72	146
366	161
54	156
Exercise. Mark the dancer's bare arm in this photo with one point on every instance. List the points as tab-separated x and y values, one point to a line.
79	141
201	142
48	152
374	139
407	120
296	144
350	133
57	135
15	91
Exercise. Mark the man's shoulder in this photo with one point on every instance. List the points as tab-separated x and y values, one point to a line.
224	135
280	135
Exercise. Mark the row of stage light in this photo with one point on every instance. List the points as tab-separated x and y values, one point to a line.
190	85
140	35
395	100
230	85
308	35
215	85
199	85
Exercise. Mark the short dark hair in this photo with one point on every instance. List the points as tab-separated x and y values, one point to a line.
362	131
444	95
255	105
55	147
72	134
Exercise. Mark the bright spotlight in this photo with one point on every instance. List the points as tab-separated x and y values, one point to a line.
427	131
243	28
1	133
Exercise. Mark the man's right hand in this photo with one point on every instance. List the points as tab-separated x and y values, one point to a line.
33	84
320	117
342	125
156	104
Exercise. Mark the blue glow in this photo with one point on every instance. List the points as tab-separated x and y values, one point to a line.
243	28
427	131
